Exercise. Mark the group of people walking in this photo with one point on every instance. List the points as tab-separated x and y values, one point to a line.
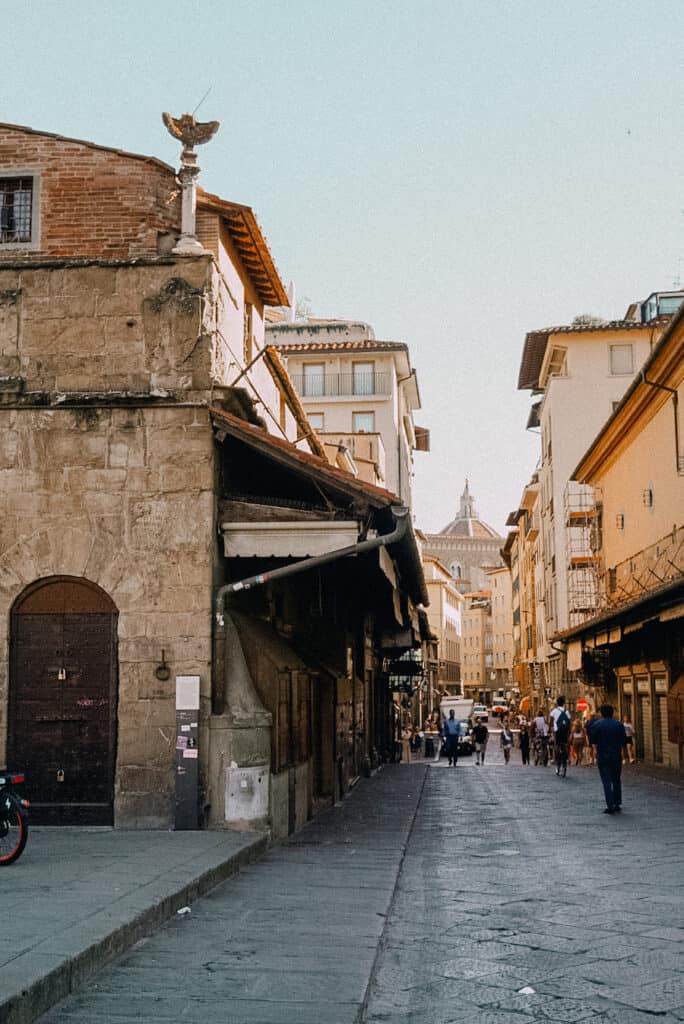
558	739
608	743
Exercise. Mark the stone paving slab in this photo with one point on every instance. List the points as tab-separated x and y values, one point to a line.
431	895
582	908
290	940
77	898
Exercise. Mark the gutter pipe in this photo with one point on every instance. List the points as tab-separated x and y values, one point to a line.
401	516
675	405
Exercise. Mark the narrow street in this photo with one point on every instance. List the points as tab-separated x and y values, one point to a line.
432	894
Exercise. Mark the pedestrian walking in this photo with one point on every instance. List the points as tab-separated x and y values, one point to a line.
506	742
481	737
525	743
591	749
577	739
452	731
406	744
609	738
629	749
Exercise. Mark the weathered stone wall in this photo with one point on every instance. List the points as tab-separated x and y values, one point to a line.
107	328
124	498
94	201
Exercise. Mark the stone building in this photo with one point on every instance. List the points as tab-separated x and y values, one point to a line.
467	546
148	459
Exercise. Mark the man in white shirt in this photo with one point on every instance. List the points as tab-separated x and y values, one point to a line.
541	726
557	712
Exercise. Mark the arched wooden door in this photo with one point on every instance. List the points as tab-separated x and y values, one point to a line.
63	700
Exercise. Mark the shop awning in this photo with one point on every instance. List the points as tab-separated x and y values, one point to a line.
286	540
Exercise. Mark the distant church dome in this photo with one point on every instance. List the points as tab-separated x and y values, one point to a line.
466	523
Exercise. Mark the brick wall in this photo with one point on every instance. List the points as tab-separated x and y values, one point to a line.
94	202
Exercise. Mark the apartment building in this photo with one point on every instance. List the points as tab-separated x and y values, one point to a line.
500	585
631	650
581	372
360	396
523	554
479	677
445	616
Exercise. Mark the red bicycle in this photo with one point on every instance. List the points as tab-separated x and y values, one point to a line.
13	818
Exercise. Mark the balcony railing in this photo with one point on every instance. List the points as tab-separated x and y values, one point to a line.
335	385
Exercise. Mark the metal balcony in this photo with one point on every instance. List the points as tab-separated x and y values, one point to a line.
340	385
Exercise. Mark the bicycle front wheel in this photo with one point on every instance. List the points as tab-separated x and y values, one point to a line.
13	834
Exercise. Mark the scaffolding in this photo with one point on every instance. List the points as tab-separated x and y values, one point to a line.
582	513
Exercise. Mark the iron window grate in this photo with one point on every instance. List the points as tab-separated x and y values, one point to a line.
16	203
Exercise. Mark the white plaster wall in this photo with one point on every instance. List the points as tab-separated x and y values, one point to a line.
338	411
574	410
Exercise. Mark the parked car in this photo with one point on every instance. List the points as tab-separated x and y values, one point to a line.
479	711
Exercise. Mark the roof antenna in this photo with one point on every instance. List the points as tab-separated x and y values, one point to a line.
202	100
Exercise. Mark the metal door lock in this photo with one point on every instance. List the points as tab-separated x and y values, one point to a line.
60	775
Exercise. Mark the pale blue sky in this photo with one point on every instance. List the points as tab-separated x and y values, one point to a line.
455	173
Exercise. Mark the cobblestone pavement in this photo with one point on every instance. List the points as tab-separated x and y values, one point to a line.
520	901
432	895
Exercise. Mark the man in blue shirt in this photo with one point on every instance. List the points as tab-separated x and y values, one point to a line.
609	738
452	731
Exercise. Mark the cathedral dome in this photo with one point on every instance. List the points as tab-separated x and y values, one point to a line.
466	523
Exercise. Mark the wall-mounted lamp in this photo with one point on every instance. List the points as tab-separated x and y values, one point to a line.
647	497
620	521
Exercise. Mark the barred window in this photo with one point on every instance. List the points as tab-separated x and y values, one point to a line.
16	210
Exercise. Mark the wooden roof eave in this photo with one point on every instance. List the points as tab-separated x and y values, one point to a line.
275	365
251	245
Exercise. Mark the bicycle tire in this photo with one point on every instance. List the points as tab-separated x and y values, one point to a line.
13	834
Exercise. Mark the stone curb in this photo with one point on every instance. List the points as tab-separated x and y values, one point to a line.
44	978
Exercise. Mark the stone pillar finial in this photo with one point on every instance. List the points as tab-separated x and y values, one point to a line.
191	133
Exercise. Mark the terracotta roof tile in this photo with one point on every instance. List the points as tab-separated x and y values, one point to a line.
536	341
343	346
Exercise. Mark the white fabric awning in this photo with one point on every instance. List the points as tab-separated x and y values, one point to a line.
288	539
574	656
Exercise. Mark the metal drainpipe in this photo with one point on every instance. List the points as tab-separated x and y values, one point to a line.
675	405
401	516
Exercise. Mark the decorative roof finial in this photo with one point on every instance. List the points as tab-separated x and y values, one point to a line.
191	133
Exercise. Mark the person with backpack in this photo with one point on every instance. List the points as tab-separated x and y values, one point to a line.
560	721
